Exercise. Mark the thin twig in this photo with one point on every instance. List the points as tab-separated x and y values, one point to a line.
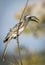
17	34
4	52
16	61
24	10
19	51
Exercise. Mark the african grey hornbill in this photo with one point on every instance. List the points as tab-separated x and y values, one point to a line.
12	34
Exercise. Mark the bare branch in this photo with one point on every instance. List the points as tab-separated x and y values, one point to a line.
24	10
18	31
4	52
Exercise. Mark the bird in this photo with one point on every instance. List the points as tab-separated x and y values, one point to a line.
12	34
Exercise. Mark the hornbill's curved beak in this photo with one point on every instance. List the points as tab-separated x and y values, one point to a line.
35	19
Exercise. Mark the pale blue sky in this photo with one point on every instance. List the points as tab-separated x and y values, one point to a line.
7	21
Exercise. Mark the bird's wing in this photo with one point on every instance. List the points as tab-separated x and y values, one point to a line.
13	31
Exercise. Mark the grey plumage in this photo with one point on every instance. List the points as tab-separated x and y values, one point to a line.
12	34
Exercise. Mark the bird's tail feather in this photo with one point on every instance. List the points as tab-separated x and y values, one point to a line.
6	39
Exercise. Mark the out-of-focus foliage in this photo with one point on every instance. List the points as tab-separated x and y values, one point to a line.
33	58
38	11
23	50
28	58
27	11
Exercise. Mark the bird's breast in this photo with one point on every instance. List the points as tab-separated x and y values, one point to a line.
19	32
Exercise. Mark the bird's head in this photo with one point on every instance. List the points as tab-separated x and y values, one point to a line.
31	18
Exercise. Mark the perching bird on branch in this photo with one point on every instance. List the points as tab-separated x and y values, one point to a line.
12	34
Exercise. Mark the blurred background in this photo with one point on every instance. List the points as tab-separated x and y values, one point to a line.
32	40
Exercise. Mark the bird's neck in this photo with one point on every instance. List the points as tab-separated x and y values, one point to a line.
26	23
